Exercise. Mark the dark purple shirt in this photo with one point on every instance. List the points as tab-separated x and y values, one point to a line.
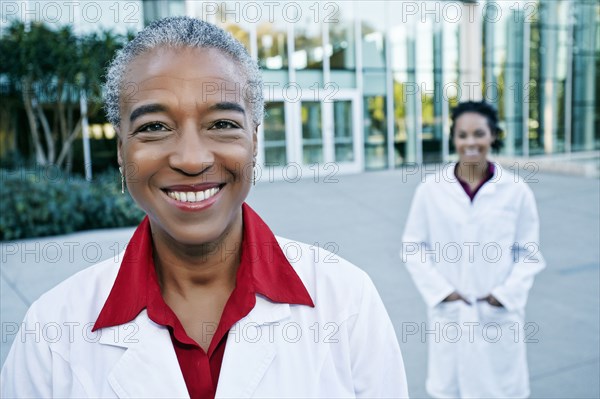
465	185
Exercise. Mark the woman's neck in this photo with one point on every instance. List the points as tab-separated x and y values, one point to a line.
472	172
186	269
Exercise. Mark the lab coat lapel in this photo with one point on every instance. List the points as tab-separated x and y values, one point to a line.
250	349
149	366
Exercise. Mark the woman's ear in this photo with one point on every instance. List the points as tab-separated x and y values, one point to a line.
255	142
119	147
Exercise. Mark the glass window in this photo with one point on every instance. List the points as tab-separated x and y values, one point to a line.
343	131
585	53
400	125
375	129
154	10
450	64
553	74
341	37
308	39
272	44
401	34
342	49
312	132
373	33
274	134
536	145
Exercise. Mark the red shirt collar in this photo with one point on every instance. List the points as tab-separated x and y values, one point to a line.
263	269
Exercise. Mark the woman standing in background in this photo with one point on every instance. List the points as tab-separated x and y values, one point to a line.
473	234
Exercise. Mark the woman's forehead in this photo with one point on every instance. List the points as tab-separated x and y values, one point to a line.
184	64
196	74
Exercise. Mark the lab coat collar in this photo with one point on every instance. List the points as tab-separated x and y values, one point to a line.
250	350
271	274
149	366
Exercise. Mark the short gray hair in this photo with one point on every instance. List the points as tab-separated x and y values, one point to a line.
182	32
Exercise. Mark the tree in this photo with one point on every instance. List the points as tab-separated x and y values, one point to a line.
47	69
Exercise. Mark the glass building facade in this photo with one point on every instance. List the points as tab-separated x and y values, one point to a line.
370	85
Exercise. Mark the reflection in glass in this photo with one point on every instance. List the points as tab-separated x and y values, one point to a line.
154	10
308	41
586	52
312	132
341	39
553	73
375	132
342	47
373	33
400	125
536	144
399	64
450	64
343	129
272	45
274	128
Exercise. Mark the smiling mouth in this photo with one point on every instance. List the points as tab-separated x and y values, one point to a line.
470	153
193	196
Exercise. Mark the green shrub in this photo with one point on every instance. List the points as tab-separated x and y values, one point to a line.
34	203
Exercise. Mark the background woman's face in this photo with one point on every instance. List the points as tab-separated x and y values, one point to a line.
472	137
187	141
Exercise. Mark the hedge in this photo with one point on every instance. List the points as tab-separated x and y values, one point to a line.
35	203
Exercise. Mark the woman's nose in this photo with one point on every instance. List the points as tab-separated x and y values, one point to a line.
192	154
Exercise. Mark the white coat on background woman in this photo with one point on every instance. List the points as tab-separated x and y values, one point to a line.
471	247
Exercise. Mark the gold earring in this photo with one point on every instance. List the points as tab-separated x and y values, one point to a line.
122	180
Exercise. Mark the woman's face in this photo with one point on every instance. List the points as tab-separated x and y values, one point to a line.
187	142
472	138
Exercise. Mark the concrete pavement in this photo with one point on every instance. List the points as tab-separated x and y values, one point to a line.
361	217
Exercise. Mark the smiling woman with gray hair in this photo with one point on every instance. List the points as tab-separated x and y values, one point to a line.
205	301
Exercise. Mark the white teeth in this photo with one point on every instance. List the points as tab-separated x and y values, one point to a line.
193	196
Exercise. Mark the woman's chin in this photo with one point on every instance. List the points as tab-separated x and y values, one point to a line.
472	159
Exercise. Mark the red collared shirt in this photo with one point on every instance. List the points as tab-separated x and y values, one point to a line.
263	269
465	185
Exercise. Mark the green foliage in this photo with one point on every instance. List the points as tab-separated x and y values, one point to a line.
44	69
35	203
54	58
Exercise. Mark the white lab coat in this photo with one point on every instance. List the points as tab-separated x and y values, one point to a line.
489	246
343	347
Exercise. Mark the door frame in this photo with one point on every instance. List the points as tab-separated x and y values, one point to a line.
296	169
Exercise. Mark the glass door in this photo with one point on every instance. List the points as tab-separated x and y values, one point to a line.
312	132
316	137
330	133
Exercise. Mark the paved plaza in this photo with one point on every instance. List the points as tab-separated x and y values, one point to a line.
361	218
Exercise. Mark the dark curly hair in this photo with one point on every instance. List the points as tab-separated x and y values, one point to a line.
481	108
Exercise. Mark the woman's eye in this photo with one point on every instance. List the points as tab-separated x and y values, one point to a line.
152	127
225	125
